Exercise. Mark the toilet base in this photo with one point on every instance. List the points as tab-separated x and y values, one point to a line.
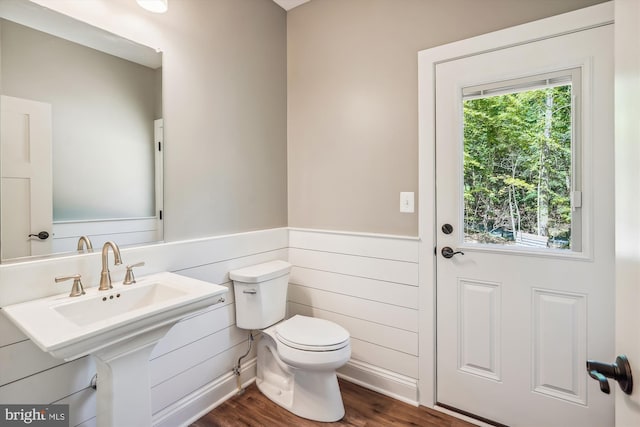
314	395
317	397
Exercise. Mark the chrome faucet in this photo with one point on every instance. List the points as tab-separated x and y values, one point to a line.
105	276
83	242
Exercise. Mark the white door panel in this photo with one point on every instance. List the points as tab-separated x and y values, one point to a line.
26	184
516	325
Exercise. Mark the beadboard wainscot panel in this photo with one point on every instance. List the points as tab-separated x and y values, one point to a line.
386	336
9	333
361	287
368	284
190	368
51	385
373	311
374	268
196	379
26	281
196	328
135	231
22	359
199	402
84	404
400	248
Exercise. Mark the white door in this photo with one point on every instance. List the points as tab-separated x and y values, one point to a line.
531	297
25	151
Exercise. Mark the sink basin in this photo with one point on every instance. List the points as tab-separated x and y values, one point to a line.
119	328
69	328
87	311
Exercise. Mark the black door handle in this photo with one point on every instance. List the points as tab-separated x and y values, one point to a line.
447	252
604	384
43	235
619	371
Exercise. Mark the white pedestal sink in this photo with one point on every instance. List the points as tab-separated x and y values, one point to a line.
119	328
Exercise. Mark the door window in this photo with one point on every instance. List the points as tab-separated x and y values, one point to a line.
521	167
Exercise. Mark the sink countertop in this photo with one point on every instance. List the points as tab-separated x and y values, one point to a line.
68	337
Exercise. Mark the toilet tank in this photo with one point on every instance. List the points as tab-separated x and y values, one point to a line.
261	294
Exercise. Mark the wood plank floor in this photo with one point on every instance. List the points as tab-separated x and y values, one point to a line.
363	408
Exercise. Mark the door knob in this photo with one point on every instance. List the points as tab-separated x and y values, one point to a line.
447	252
43	235
619	371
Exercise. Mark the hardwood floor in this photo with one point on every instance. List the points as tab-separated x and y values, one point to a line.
363	408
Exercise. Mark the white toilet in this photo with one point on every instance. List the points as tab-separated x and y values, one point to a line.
298	357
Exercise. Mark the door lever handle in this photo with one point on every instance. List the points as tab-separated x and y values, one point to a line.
43	235
604	384
447	252
619	371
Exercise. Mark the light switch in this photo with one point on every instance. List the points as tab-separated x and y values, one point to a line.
406	202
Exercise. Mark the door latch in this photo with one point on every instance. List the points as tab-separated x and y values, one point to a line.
619	371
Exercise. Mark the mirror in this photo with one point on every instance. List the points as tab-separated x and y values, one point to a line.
80	135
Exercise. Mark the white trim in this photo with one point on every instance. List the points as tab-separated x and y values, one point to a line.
554	26
198	404
385	382
627	200
366	245
560	254
189	409
582	19
355	233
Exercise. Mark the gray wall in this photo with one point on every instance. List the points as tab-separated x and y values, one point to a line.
326	94
353	100
224	96
225	105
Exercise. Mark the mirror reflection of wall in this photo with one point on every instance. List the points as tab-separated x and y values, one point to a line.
103	148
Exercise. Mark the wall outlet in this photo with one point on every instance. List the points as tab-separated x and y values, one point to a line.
406	202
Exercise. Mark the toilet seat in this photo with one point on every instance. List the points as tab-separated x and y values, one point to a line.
311	334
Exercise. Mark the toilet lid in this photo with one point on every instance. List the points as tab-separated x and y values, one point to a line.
311	334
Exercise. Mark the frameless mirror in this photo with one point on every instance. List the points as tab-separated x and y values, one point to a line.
80	135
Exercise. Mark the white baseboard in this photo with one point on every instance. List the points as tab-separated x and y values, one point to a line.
381	380
195	405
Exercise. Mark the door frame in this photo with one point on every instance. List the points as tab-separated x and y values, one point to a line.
627	157
590	17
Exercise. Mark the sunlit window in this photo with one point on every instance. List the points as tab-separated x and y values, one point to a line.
520	183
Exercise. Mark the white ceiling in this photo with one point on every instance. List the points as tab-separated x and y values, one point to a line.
290	4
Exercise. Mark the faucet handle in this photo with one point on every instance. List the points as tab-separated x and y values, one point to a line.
77	289
129	277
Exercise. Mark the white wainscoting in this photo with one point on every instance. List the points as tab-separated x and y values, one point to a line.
190	368
134	231
366	283
369	285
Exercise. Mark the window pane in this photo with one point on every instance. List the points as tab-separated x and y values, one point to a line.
517	168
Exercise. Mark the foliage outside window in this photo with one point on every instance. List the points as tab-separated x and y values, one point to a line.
517	168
